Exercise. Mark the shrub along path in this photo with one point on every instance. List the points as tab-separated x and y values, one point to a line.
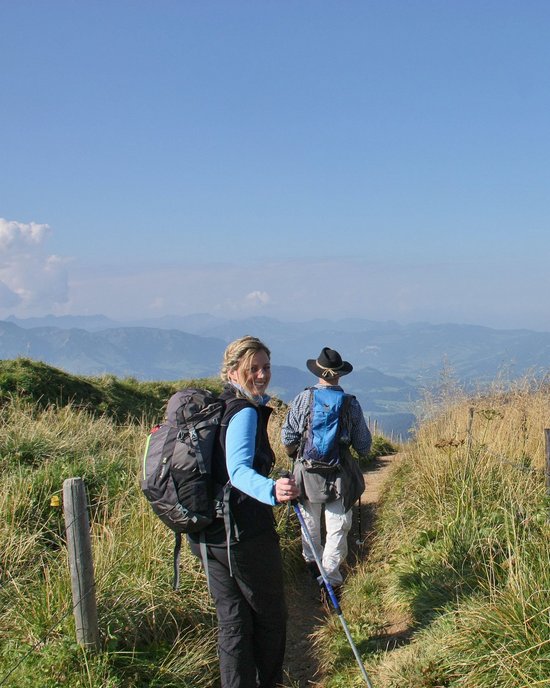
305	612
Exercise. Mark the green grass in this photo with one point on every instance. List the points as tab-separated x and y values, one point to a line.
55	426
459	564
461	555
144	624
122	399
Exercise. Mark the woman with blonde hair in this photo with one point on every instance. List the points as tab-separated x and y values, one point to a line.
240	550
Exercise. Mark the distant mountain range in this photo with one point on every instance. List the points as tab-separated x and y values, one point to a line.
393	363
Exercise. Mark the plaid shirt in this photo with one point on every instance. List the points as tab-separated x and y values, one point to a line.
296	417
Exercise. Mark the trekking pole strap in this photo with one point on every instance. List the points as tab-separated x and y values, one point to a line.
360	524
204	558
177	552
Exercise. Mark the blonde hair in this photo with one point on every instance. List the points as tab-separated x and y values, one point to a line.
241	351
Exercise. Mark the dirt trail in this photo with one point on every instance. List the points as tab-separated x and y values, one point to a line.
306	613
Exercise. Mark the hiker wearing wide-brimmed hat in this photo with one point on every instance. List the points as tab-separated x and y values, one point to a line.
328	365
330	480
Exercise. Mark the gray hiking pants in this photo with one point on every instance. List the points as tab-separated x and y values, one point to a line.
251	611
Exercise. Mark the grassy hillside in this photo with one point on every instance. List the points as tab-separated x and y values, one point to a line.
123	399
456	590
55	426
143	623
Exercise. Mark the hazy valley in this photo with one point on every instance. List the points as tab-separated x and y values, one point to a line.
393	364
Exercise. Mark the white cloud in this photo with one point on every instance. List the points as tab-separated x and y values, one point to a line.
258	298
239	304
32	281
285	289
473	292
15	236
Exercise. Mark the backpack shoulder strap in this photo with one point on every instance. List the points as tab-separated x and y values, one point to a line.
177	552
305	421
346	403
345	418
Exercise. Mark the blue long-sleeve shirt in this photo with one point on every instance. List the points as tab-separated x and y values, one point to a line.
240	447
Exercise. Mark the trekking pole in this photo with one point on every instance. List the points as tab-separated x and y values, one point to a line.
359	541
328	586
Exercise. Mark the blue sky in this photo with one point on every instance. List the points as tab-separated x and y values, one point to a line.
290	158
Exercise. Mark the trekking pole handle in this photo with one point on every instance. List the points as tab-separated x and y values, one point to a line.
284	473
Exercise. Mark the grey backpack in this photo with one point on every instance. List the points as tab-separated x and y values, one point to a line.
176	475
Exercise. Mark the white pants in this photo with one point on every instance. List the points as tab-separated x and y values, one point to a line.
337	526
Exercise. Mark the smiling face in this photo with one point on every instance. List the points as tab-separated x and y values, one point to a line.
253	373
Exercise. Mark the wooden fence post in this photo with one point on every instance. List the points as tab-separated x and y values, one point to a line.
81	565
471	412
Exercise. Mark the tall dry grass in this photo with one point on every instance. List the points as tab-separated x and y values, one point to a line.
150	635
460	564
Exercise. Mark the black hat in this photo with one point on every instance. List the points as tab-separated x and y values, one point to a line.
329	364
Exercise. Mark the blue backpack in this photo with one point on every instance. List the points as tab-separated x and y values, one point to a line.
326	427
